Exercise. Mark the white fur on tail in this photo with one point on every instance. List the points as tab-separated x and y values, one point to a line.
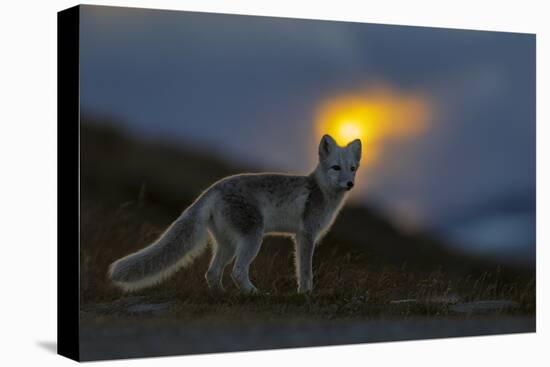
177	247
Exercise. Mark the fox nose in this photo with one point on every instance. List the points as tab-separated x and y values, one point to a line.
350	184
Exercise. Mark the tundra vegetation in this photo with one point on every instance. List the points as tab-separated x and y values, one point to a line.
365	268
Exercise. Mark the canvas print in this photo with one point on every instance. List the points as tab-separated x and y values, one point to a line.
252	182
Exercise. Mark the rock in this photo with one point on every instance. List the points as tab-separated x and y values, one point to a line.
148	308
404	301
131	306
447	299
483	306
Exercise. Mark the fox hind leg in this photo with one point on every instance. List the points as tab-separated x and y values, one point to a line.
241	220
247	249
223	252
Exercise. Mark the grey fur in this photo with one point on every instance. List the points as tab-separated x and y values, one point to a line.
238	211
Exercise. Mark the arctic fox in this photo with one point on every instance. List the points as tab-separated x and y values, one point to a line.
237	211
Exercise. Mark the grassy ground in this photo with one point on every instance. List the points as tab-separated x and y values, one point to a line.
354	300
347	285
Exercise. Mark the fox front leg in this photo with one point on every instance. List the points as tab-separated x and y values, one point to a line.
305	245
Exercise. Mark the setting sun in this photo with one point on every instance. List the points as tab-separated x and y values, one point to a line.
373	115
349	130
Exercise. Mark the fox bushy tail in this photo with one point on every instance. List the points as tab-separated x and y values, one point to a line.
178	246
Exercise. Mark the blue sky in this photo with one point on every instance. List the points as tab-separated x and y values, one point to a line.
247	88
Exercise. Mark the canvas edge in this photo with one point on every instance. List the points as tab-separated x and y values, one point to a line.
68	182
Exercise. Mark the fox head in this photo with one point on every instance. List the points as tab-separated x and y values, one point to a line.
339	165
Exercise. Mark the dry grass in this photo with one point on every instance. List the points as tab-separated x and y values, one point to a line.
346	283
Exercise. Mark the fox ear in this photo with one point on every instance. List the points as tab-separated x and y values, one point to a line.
326	146
355	147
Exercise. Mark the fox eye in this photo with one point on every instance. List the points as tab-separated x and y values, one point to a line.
336	167
352	168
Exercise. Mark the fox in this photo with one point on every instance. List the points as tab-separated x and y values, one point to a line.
235	213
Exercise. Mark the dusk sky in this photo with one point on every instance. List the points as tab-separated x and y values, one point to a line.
450	146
